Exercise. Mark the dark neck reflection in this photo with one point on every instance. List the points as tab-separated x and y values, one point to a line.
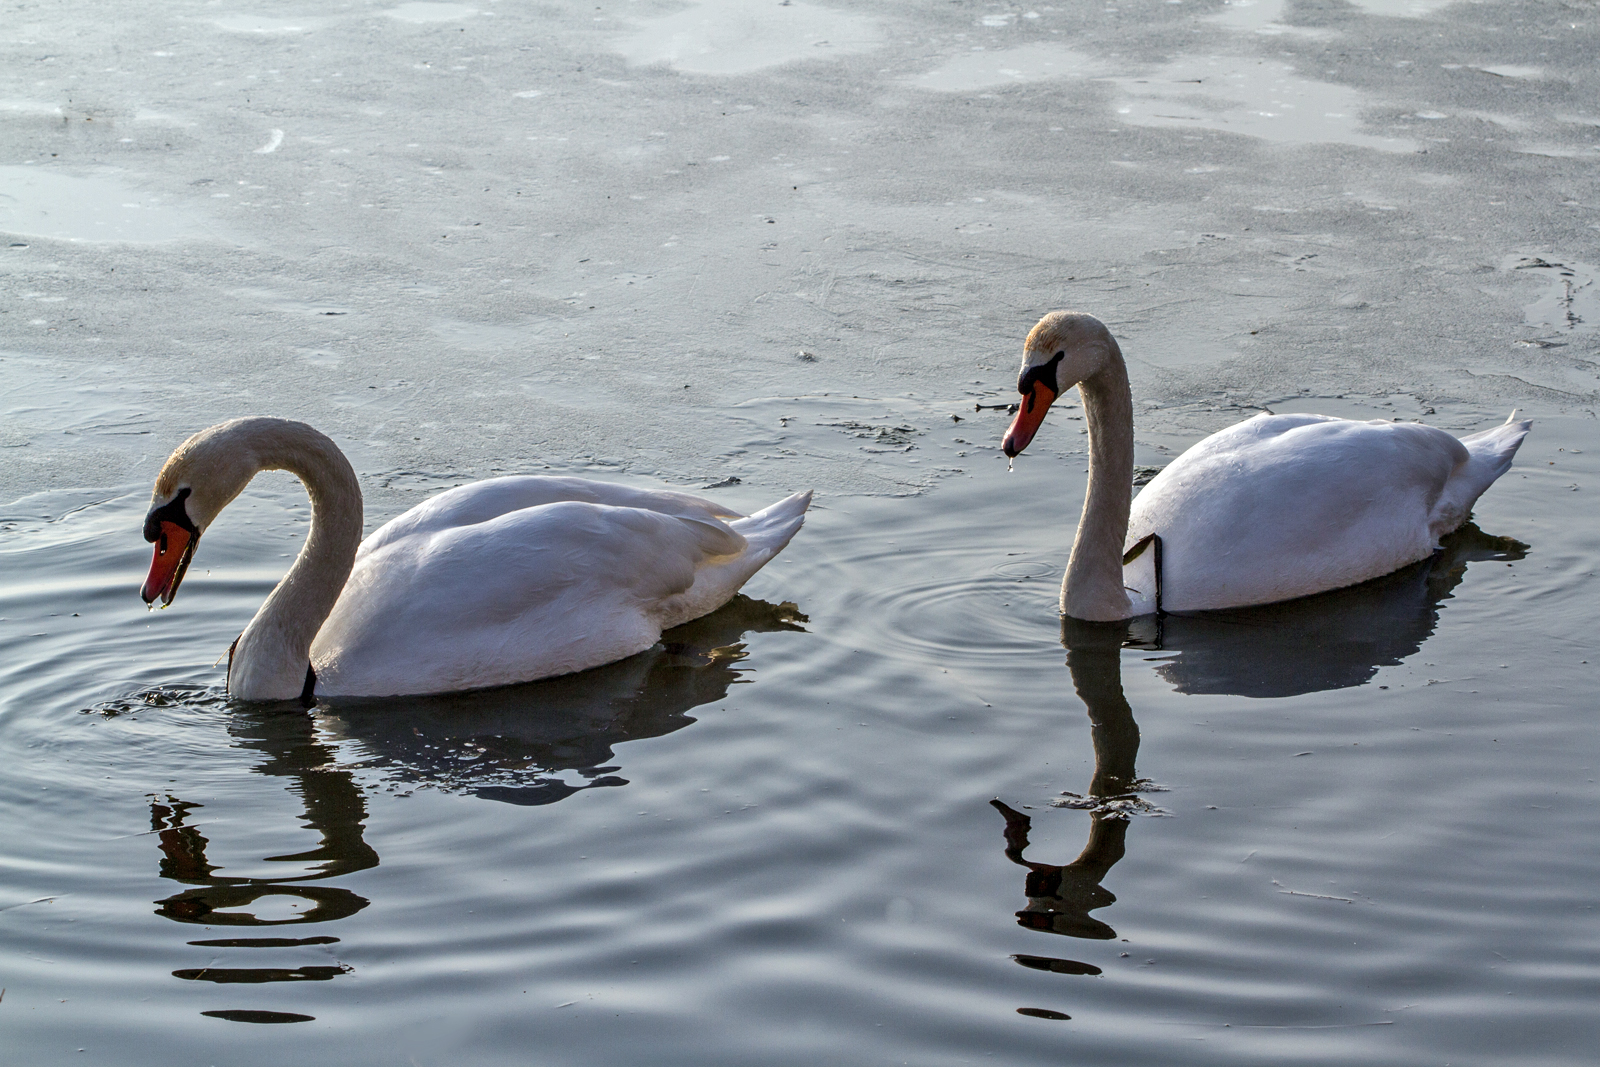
528	745
1060	898
334	808
1331	641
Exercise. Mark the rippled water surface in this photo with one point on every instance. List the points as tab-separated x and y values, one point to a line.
883	809
872	812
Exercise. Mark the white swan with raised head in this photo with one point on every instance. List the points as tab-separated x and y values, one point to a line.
1272	508
500	581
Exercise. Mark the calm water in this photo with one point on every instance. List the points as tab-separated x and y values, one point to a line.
873	813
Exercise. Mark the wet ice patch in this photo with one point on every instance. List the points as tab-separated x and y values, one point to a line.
898	445
984	70
1232	94
1562	151
264	25
1256	15
1403	9
1269	100
146	117
36	202
1570	302
740	36
1262	17
49	408
1512	70
425	12
30	108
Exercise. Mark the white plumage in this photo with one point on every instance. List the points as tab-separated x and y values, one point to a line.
1283	506
500	581
513	579
1272	508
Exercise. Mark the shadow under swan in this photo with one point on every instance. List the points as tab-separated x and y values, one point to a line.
540	742
1333	640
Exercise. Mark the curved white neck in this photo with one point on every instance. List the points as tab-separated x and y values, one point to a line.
1093	588
272	656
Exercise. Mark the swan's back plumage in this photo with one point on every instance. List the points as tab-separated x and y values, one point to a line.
514	579
467	505
1283	506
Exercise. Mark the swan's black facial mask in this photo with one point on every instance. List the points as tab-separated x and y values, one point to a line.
172	511
175	535
1044	374
1038	388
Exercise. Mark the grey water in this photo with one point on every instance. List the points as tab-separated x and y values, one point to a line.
885	807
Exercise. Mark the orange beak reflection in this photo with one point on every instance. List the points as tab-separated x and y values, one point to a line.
1030	414
174	549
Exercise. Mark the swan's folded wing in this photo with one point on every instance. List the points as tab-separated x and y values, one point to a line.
1288	505
534	593
479	502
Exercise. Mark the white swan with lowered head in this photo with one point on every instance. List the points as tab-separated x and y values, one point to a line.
500	581
1272	508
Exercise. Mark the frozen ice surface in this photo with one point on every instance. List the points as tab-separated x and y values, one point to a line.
452	232
740	36
38	202
1247	95
1030	62
420	12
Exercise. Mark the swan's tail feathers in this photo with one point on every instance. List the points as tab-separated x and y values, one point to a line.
1492	450
1489	455
765	533
771	528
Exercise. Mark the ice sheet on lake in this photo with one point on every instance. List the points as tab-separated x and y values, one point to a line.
426	12
1031	62
1268	99
1404	9
1256	16
264	24
1258	98
740	36
1571	300
36	202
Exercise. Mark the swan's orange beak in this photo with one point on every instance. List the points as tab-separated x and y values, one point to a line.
1030	414
174	549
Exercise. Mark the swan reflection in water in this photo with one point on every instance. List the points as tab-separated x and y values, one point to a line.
528	744
1331	641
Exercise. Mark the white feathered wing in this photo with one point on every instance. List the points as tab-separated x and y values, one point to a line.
514	579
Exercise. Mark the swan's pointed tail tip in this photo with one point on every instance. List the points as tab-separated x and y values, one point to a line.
794	507
791	505
776	522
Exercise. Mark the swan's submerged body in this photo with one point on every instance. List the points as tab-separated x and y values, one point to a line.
501	581
1284	506
516	579
1272	508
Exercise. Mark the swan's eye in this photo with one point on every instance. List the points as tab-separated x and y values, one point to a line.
1058	355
